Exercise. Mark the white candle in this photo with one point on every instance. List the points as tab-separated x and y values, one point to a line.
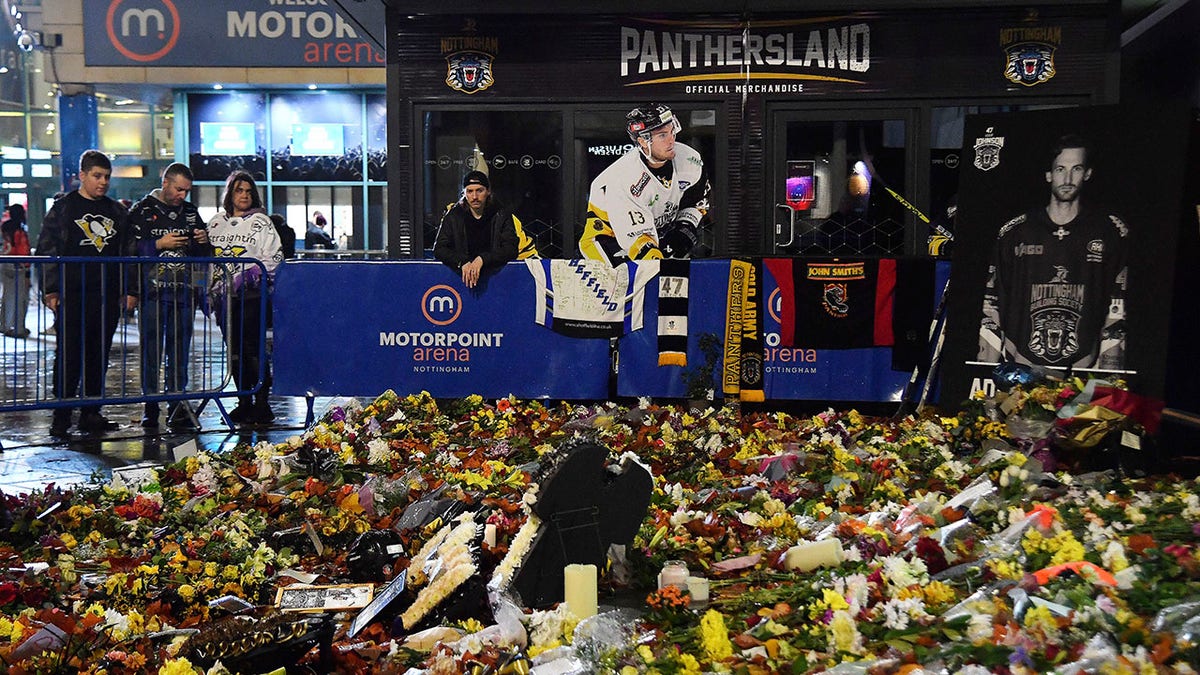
810	555
579	590
674	573
698	589
489	535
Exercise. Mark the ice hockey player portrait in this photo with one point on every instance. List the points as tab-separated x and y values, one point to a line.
1056	288
648	203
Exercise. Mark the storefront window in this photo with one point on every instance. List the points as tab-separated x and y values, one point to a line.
164	136
12	130
840	182
227	131
44	132
126	134
521	151
376	137
316	137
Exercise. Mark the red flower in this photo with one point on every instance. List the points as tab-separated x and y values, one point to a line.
8	593
931	553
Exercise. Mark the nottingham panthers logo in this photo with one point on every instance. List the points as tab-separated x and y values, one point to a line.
1055	335
835	300
97	230
1029	63
469	72
987	151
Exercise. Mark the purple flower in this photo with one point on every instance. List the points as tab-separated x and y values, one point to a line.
1020	657
338	414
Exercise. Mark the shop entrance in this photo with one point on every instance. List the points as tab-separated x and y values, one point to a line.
838	183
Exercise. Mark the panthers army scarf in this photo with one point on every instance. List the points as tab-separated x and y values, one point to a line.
742	375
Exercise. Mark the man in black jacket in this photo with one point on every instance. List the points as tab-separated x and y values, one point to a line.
168	227
476	235
85	297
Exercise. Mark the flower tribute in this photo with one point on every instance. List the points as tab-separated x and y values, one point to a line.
963	553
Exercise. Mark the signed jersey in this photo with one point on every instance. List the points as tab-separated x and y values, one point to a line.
629	203
1056	293
589	298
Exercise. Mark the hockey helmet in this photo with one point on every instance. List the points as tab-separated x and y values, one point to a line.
644	119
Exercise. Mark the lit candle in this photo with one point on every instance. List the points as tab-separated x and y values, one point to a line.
698	589
810	555
579	590
674	573
489	535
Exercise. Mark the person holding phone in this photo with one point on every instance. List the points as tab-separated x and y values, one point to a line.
168	227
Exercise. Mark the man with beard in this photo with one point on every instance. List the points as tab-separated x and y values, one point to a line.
1055	294
476	236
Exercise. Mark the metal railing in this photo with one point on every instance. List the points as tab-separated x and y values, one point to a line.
171	346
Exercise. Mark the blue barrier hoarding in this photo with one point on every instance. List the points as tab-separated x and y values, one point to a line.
359	328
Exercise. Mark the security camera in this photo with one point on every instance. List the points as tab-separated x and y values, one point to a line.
25	41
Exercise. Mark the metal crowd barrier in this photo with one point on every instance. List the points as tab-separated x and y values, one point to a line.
84	319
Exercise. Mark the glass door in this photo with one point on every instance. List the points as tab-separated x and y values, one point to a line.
841	183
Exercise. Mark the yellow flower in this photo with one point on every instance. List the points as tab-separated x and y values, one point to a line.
1066	548
833	599
714	637
177	667
6	627
689	664
1041	619
844	634
937	593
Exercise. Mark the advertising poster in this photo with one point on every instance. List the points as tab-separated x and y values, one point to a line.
1065	246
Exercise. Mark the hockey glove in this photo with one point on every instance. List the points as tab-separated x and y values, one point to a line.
678	239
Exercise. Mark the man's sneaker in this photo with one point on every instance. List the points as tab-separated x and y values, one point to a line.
97	423
60	427
150	416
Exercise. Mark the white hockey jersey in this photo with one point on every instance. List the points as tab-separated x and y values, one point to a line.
629	203
590	298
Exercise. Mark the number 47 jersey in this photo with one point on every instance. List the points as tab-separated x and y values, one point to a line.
628	204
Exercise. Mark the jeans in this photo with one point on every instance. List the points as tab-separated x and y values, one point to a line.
16	297
167	322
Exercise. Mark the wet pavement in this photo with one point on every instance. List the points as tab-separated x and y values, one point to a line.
30	459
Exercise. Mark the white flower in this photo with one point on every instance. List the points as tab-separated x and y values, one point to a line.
1127	577
379	451
1134	515
979	628
902	573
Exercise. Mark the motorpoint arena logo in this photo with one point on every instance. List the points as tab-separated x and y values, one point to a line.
441	305
142	30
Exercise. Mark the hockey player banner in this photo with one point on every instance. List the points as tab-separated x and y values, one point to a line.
1064	257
